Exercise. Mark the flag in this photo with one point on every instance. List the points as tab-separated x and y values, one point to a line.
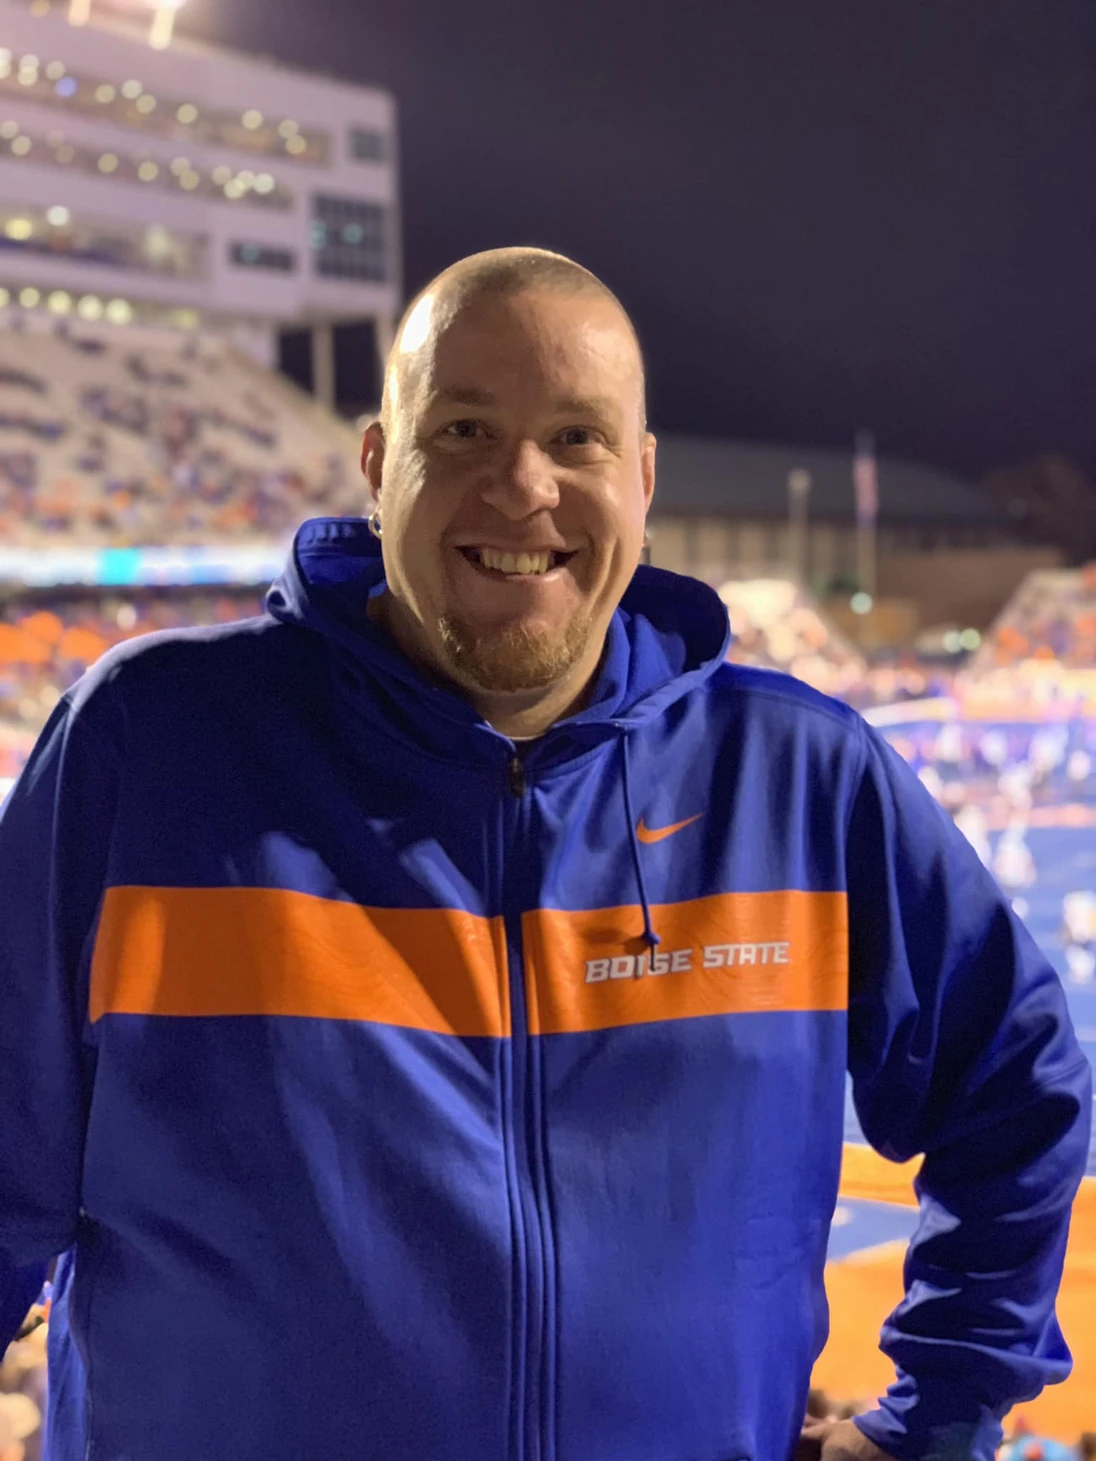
865	479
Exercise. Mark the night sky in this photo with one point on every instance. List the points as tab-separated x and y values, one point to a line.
880	213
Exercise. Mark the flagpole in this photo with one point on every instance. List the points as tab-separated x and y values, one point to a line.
799	488
866	486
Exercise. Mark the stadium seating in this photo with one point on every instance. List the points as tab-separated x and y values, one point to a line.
1051	619
778	627
140	437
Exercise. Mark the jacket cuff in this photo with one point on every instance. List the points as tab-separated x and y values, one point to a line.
932	1419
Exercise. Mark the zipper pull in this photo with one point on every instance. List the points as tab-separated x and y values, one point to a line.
515	776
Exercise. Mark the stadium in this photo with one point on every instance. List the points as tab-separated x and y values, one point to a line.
154	463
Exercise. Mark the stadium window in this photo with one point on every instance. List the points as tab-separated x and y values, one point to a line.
348	239
368	145
259	256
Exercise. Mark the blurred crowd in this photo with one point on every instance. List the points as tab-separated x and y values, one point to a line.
1052	618
122	445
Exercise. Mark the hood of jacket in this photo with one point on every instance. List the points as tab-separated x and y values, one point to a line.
668	635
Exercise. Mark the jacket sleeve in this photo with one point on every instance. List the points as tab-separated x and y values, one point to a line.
960	1048
54	831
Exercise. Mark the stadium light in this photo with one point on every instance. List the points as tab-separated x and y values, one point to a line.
163	24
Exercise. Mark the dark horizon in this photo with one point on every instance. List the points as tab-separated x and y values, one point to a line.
885	220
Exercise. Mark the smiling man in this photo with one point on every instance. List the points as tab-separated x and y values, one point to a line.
514	469
425	1009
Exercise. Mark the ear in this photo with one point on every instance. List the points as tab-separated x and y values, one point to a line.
373	446
647	467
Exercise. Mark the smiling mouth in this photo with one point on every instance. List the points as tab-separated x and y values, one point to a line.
515	565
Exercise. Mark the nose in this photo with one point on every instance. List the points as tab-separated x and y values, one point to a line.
524	484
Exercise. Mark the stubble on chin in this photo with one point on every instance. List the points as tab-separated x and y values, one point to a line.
512	659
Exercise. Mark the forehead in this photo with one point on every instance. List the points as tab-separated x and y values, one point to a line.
525	344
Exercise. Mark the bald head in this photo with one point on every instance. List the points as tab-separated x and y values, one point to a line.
499	274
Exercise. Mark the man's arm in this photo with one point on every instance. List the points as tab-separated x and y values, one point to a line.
54	831
961	1048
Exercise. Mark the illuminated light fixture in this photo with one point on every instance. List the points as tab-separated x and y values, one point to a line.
65	153
185	319
163	24
131	90
108	162
288	128
119	312
264	183
90	307
187	113
79	12
9	130
105	93
29	62
5	55
157	241
55	70
5	297
221	175
861	603
296	145
246	176
145	104
18	229
21	146
58	215
180	165
67	86
5	68
252	120
29	298
27	77
189	181
59	303
148	172
234	189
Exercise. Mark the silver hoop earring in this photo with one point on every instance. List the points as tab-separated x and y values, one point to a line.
374	522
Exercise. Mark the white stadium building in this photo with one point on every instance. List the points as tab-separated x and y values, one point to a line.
190	187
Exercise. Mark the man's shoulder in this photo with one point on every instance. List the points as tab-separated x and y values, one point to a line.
777	699
168	663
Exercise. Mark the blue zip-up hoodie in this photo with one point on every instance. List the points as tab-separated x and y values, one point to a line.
392	1094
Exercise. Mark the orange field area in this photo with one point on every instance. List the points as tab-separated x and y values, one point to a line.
864	1287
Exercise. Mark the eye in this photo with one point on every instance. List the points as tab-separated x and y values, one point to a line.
463	430
578	436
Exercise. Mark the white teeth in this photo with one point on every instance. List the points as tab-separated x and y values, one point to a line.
515	562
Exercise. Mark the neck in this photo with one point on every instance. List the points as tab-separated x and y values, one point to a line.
522	714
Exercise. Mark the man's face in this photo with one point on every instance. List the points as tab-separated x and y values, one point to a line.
513	486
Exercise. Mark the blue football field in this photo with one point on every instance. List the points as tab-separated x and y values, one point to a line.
1064	862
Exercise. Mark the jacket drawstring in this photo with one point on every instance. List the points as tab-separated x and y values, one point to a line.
652	939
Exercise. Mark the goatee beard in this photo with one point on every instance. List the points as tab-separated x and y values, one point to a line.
510	660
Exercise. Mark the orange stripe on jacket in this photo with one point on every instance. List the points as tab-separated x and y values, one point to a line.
269	951
734	953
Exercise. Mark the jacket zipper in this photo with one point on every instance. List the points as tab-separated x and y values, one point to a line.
529	1336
